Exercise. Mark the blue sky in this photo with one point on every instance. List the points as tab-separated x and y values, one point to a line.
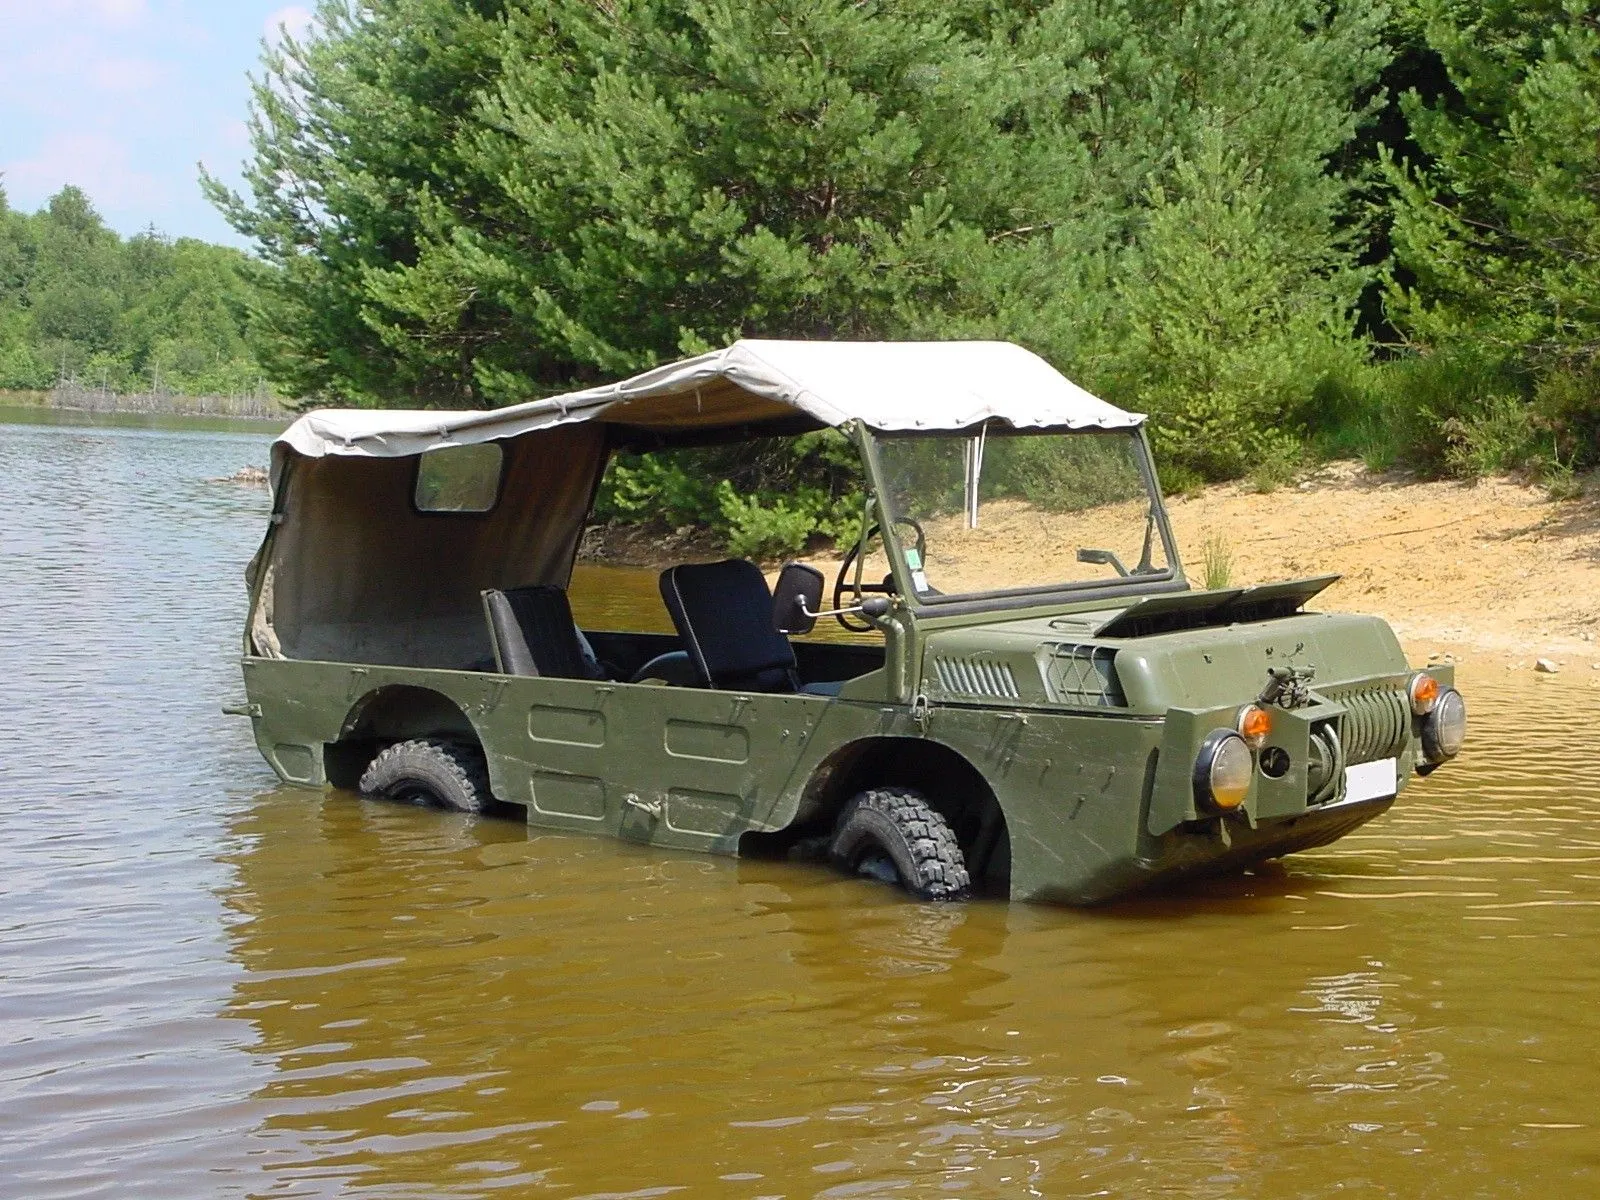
125	97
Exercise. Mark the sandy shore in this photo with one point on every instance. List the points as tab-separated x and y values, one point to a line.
1493	567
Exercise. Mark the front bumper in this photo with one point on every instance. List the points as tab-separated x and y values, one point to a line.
1340	747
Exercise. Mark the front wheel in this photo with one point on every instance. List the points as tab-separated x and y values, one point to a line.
433	771
895	834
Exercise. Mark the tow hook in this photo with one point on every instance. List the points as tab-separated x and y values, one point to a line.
241	710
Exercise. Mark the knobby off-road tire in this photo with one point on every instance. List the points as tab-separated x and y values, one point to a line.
443	773
899	825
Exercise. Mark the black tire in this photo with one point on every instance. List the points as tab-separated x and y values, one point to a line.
443	773
900	826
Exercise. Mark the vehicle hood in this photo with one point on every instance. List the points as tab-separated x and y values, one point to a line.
1064	661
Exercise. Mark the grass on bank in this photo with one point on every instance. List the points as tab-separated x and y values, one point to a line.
14	398
1451	415
1464	415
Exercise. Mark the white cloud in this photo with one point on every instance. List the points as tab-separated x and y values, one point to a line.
100	164
120	12
125	74
297	19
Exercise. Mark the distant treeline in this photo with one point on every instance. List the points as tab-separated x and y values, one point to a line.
81	305
260	404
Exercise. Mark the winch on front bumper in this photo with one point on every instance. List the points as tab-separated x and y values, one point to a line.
1290	754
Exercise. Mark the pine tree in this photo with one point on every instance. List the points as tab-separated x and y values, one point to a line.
1190	240
474	201
356	130
1499	226
563	192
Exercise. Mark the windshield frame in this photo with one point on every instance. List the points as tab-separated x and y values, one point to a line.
1170	579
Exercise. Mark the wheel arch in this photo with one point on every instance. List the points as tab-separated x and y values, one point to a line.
389	714
951	783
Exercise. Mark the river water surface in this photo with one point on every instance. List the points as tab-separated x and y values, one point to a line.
211	985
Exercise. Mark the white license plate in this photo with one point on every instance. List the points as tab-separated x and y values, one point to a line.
1368	781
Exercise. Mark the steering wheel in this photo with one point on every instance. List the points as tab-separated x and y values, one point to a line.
843	583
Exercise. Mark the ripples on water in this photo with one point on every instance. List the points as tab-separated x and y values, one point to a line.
213	986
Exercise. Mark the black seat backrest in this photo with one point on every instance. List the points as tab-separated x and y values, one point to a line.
533	633
723	613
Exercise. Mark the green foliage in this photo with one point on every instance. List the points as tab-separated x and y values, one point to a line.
1454	412
1499	227
1566	411
1496	437
1064	474
485	200
77	300
489	200
1277	467
1500	224
1234	319
763	499
1183	204
670	490
769	527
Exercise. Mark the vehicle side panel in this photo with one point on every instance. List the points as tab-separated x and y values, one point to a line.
674	767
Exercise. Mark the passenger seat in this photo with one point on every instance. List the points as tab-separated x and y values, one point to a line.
723	613
533	634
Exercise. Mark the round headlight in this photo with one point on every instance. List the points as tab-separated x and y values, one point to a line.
1223	769
1424	692
1446	727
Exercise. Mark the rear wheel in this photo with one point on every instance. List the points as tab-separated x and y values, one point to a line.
894	834
433	771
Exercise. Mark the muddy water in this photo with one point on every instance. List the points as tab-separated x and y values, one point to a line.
214	986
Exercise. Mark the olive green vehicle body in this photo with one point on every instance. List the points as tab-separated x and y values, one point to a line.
1096	803
1057	733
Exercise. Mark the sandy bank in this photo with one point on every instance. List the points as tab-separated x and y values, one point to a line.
1489	566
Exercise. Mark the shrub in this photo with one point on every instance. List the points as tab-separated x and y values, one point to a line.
1498	437
771	527
1065	474
655	489
1277	467
761	499
1233	321
1447	413
1216	560
1566	406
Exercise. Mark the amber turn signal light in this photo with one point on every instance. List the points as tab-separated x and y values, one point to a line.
1424	692
1254	724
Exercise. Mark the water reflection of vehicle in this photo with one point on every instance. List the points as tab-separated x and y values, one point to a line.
447	1004
1038	704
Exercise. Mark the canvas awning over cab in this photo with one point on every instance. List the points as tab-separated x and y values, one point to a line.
355	573
884	385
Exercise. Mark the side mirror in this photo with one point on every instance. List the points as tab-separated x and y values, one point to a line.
797	599
1103	558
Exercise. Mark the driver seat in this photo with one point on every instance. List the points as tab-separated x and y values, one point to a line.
723	613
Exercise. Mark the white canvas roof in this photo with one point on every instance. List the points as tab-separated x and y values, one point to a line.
885	385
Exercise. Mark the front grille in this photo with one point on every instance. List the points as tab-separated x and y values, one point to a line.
1376	722
976	676
1083	675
